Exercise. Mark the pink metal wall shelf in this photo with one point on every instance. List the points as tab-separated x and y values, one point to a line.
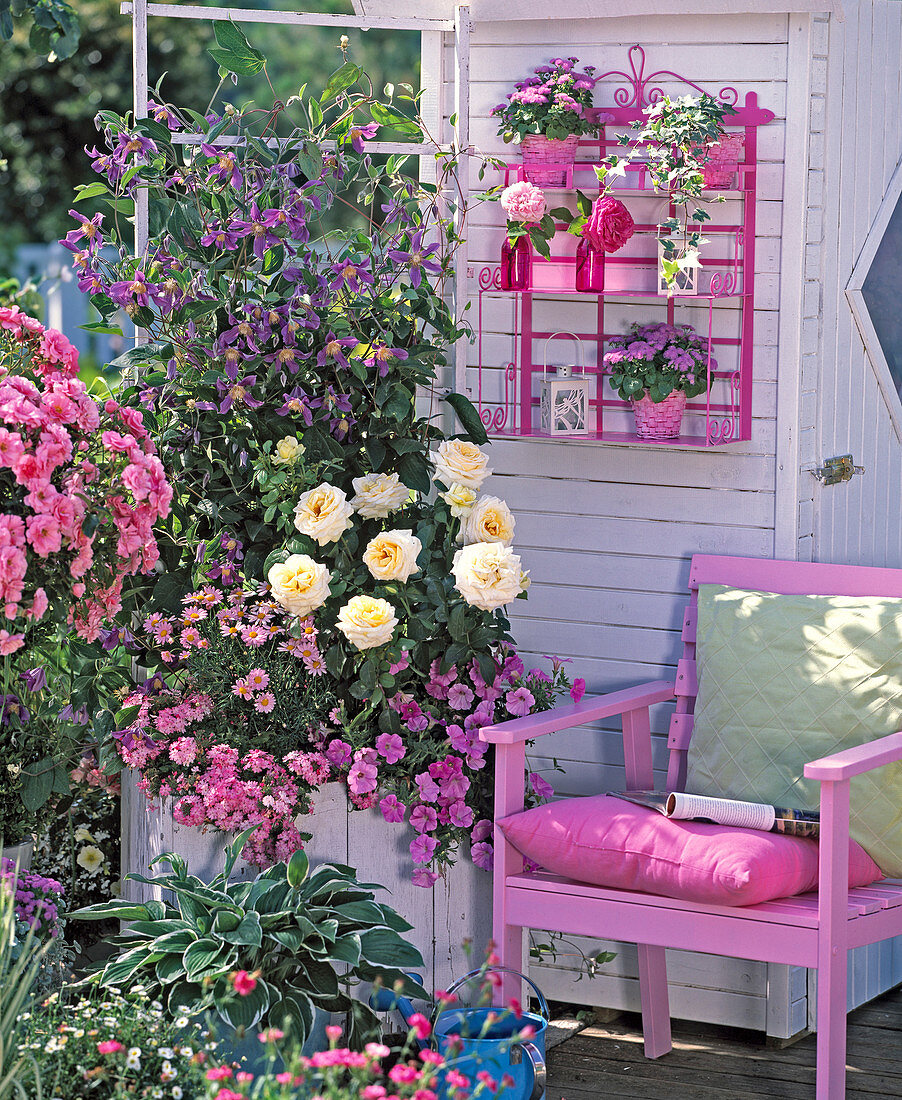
725	289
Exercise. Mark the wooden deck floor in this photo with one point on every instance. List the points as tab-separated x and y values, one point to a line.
606	1062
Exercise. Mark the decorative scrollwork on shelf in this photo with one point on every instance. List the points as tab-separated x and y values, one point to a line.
490	278
724	431
640	93
724	283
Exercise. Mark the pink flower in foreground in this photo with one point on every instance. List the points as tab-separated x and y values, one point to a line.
609	226
578	690
9	643
519	701
523	202
421	1025
244	983
109	1046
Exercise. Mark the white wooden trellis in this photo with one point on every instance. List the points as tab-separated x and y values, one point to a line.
432	29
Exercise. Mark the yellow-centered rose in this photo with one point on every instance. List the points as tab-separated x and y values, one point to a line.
300	584
378	495
460	499
288	450
487	574
367	622
392	556
323	513
489	520
461	462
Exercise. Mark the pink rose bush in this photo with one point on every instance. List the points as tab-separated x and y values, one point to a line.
610	224
81	487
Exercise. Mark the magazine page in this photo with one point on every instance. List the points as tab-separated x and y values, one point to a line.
722	811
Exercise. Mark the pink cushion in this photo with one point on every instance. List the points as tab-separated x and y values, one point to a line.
609	842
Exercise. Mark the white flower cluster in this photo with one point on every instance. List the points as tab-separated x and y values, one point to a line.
486	571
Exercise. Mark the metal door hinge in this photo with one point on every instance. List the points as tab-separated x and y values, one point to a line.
837	469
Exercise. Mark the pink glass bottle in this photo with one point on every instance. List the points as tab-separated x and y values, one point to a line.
515	264
589	268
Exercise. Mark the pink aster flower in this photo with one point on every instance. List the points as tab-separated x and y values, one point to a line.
257	679
265	702
242	689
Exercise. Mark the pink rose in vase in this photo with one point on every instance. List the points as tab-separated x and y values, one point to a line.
609	226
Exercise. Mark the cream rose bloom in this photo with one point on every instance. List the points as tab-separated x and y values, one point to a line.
487	574
377	495
299	584
461	462
489	520
460	499
392	556
323	513
288	450
367	622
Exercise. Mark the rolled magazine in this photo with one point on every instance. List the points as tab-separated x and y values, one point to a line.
727	811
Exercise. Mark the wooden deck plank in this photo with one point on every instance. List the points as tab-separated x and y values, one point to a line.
710	1062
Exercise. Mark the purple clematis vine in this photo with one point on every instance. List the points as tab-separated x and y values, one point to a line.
332	352
225	169
236	393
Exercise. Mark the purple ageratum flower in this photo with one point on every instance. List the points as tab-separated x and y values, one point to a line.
392	810
391	747
236	393
423	818
422	848
416	258
331	353
338	752
541	787
519	701
225	169
483	855
423	877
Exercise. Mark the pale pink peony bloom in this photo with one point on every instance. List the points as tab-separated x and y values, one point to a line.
523	202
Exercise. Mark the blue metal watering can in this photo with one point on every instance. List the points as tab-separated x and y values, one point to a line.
484	1044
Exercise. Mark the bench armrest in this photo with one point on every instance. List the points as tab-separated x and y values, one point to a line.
855	761
574	714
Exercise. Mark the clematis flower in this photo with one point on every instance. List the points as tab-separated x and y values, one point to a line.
332	354
416	258
225	169
358	134
236	393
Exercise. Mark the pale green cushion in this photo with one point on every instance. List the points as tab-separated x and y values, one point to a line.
787	679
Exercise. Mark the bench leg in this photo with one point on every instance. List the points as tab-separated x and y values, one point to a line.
509	949
655	1004
831	1029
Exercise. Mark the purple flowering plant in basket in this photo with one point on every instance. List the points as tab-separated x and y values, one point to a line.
658	359
552	102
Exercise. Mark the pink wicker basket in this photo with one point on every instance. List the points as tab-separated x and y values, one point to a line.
545	161
723	160
661	419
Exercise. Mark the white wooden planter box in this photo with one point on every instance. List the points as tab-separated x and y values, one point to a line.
457	911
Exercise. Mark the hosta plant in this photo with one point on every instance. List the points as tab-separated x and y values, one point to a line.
267	951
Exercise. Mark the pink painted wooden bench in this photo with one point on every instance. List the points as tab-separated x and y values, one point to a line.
812	930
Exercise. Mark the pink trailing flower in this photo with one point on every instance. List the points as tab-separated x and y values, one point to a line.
610	224
523	202
578	690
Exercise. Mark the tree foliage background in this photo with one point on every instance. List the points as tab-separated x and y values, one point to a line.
47	107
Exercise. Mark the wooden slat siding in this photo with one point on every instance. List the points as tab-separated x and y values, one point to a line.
860	525
604	505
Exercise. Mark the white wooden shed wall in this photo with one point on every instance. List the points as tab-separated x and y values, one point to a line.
607	530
